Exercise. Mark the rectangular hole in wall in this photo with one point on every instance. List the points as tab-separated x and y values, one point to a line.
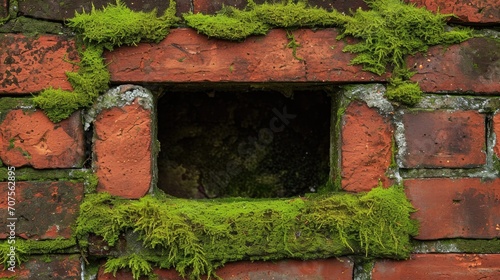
243	142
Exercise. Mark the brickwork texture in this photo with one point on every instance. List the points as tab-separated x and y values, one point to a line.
445	150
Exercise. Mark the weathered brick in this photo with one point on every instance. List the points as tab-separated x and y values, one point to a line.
57	267
123	150
61	10
465	11
339	269
444	139
366	148
471	66
496	130
44	210
185	56
448	208
30	138
212	6
439	266
31	64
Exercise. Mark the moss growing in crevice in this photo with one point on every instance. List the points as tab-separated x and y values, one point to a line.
195	237
115	25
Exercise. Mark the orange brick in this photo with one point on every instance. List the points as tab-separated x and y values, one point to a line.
31	64
338	269
29	138
444	139
435	266
449	208
366	148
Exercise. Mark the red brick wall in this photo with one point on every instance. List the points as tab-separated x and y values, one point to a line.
444	150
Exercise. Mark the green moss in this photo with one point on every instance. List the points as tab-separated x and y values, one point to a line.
405	92
234	24
195	237
389	32
25	248
117	25
91	79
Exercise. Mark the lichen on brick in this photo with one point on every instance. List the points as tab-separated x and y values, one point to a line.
118	97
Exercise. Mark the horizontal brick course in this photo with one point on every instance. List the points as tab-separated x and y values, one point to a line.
436	139
31	64
185	56
338	269
366	148
459	68
29	138
449	208
44	210
436	266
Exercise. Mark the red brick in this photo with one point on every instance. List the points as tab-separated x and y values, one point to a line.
31	64
496	130
44	210
366	148
57	267
439	266
444	139
212	6
465	11
449	208
123	150
61	10
467	67
30	138
328	269
185	56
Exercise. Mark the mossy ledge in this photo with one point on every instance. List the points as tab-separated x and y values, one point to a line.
197	236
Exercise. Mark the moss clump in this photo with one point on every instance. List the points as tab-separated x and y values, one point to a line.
117	25
390	32
197	236
91	79
404	91
234	24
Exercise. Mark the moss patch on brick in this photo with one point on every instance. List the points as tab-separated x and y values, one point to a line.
197	236
389	32
115	25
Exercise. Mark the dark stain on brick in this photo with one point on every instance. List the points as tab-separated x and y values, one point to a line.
475	210
480	57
